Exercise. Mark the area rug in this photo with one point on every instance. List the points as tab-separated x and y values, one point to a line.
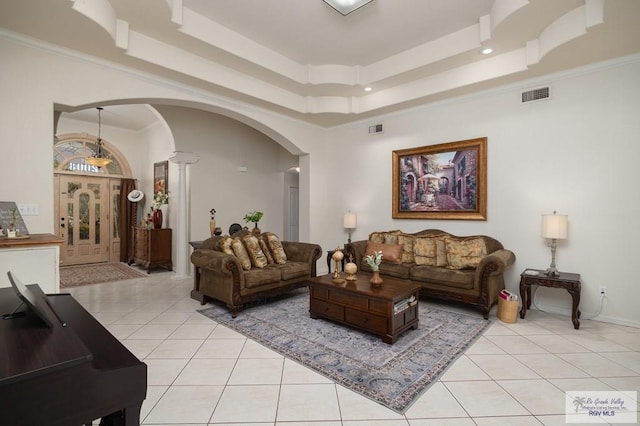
392	375
95	273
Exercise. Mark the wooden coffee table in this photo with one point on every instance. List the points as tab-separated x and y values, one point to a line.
387	311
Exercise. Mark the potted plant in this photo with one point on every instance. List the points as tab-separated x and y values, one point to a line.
12	230
374	262
255	218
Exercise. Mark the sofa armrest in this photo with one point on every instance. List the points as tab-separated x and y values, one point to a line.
498	261
303	252
215	261
357	249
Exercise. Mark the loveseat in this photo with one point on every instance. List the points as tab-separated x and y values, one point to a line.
462	269
244	268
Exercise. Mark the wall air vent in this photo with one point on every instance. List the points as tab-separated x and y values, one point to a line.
376	128
539	94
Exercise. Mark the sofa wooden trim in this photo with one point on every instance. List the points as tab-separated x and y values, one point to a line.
488	275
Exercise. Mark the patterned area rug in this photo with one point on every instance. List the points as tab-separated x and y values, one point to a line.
73	276
392	375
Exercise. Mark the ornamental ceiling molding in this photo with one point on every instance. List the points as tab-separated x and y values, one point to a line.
291	95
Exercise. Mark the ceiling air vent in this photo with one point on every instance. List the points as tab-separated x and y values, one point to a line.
376	128
539	94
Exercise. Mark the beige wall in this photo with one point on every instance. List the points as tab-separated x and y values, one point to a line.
575	153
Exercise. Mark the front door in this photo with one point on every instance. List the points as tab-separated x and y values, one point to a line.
84	206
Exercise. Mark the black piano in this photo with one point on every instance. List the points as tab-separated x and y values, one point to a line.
69	372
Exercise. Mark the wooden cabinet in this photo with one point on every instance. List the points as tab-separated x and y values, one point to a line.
152	248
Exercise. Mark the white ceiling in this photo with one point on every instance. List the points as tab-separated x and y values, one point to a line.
304	59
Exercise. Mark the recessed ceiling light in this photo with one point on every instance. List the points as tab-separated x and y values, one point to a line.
486	50
368	89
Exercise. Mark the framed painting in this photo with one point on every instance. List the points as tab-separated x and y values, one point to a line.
160	177
444	181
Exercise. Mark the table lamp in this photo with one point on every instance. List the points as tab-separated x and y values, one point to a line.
554	227
350	222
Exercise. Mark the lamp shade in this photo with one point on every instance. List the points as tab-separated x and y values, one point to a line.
350	220
554	226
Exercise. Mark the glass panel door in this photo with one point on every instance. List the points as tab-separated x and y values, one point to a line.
84	219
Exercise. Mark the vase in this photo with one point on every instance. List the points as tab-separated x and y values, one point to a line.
156	218
212	227
256	231
376	279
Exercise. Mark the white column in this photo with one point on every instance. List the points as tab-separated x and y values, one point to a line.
181	235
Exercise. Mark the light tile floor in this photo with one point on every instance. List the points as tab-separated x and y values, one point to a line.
202	373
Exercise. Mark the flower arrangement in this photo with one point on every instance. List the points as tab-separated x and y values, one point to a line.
160	198
253	217
374	260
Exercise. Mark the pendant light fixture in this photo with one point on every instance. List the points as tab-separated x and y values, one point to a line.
98	159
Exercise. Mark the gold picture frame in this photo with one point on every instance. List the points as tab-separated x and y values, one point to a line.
160	177
443	181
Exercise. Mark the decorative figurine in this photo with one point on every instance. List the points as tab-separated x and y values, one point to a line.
337	257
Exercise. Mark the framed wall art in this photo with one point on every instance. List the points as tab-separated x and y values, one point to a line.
444	181
160	177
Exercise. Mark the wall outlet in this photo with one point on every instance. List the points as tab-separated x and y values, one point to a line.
603	290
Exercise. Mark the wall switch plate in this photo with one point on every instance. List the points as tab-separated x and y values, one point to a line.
29	209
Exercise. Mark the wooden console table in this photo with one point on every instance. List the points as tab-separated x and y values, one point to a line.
152	248
568	281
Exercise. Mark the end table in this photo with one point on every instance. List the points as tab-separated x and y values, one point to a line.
568	281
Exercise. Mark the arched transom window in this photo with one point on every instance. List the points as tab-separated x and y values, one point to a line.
70	151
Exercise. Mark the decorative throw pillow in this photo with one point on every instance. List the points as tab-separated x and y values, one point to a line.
258	259
406	241
265	250
241	253
224	244
425	251
464	253
279	256
390	252
391	237
376	237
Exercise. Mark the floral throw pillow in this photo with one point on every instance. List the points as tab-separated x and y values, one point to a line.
241	253
258	259
266	251
225	245
277	251
464	253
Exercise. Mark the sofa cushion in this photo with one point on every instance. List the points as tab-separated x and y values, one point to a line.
241	253
464	253
259	277
258	259
279	256
293	269
430	251
390	252
397	270
461	279
406	241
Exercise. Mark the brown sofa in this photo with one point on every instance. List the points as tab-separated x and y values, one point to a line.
221	276
477	285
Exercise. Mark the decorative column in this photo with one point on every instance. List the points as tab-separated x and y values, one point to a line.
182	159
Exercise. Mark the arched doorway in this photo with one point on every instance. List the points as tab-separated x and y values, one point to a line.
87	200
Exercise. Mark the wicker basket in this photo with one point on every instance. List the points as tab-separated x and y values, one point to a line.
507	310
